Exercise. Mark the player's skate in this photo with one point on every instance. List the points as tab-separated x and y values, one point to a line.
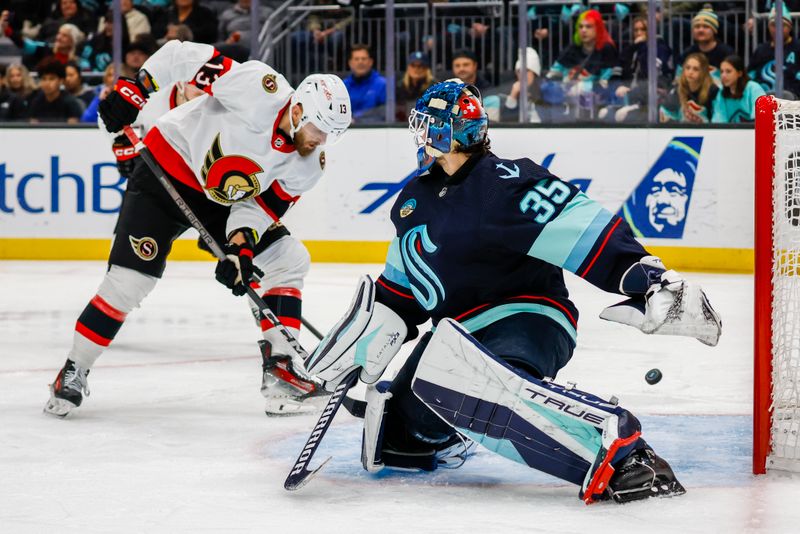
643	474
66	393
288	390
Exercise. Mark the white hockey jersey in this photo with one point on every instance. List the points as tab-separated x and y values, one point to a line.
227	143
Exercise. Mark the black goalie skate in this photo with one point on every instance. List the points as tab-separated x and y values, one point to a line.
643	474
66	393
287	390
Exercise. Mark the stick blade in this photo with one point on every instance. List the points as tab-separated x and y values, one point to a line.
295	482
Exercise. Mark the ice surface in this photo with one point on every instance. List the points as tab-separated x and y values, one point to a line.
173	437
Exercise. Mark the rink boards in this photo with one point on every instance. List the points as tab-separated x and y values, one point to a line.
687	193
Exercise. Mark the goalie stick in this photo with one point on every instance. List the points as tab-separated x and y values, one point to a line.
209	240
300	475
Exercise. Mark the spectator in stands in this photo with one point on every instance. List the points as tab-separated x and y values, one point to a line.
136	54
321	41
201	20
16	92
692	100
705	29
100	93
762	63
98	53
505	107
67	12
181	32
580	76
51	104
73	84
417	78
367	88
465	67
736	102
234	22
136	22
68	38
629	79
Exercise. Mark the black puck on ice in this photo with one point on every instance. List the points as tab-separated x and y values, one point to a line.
653	376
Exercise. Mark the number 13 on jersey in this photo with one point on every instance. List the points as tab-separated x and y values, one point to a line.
543	199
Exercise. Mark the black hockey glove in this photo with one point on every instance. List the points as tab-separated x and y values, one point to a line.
237	271
125	154
122	105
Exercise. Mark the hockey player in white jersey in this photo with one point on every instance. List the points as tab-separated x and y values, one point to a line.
240	155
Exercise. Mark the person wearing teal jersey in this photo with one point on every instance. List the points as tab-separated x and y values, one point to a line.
737	100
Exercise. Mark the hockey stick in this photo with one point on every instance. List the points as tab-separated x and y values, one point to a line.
300	475
207	238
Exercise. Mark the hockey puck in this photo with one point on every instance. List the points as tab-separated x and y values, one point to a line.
653	376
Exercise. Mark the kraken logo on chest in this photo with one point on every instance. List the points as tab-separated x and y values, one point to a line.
229	178
425	285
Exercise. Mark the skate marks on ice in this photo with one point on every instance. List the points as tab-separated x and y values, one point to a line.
722	460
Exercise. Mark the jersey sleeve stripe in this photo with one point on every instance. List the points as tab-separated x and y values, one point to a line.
600	250
281	194
565	234
396	292
266	208
169	159
587	241
393	270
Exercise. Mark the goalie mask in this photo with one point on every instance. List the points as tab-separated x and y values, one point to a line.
449	112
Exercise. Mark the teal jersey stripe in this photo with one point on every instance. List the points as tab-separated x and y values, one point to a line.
482	320
394	270
560	236
587	241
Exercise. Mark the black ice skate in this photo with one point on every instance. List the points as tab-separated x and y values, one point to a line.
66	393
287	390
643	474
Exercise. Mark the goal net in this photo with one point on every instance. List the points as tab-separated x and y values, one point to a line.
776	422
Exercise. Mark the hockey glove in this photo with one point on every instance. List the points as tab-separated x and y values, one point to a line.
663	302
237	271
125	154
122	105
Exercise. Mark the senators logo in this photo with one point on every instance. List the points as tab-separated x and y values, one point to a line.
231	178
144	247
269	83
322	160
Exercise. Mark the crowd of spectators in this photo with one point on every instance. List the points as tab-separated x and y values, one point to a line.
591	78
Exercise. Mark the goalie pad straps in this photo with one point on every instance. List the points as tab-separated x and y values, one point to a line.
367	337
558	430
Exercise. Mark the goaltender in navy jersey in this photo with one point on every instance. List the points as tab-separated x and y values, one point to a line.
492	240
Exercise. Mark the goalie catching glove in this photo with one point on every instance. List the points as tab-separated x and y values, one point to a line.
663	302
367	337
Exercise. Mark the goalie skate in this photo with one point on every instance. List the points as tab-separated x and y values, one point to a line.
286	390
643	474
66	392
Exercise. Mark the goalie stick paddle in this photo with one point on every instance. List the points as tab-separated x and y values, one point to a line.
300	475
208	239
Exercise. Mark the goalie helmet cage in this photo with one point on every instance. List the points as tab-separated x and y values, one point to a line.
776	392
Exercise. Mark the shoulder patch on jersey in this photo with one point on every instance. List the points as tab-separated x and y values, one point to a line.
145	248
322	160
269	83
407	208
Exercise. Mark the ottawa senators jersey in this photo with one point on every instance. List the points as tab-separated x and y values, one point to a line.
227	143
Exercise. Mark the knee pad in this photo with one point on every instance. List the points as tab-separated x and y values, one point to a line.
285	263
124	288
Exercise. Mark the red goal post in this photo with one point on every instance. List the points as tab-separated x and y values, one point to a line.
776	392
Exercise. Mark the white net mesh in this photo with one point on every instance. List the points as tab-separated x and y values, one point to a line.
785	431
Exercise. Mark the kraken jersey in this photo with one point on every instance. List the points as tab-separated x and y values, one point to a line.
493	239
227	143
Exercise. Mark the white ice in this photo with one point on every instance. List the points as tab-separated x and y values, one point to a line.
173	437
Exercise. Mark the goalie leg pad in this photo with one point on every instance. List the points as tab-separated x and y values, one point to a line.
555	429
367	337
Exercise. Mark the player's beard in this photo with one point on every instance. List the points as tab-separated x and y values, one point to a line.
301	144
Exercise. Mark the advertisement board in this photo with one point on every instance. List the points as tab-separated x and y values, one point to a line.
687	193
